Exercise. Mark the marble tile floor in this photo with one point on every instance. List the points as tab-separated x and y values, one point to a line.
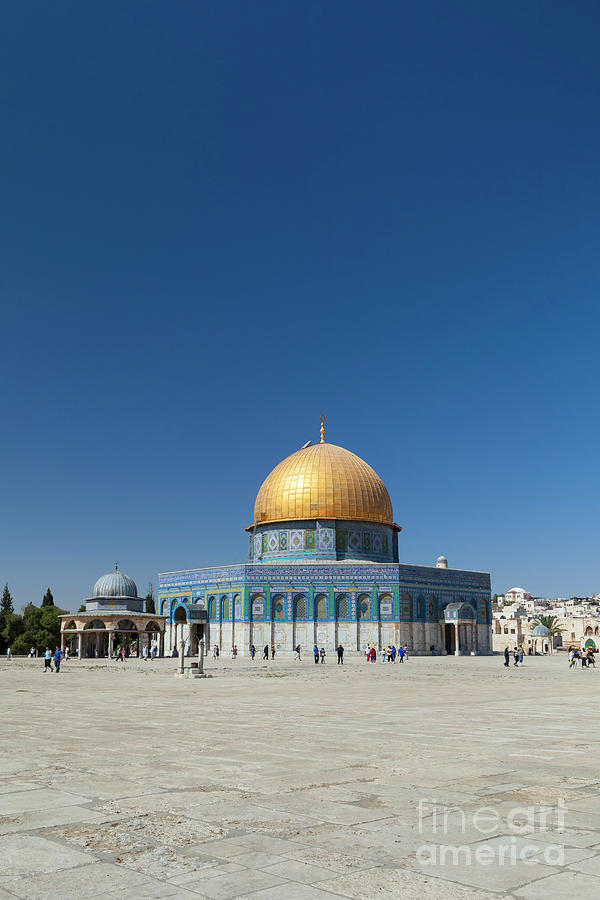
439	778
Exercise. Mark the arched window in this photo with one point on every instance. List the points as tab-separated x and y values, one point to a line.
320	606
224	608
258	606
278	602
342	607
406	607
211	608
300	607
364	606
420	607
70	625
386	606
431	609
589	630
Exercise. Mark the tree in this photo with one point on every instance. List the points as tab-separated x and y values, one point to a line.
150	607
6	604
549	622
48	598
81	608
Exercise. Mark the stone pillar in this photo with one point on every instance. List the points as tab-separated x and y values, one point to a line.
474	638
79	644
111	641
457	639
161	644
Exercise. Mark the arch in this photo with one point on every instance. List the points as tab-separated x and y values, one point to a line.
589	630
70	626
257	606
224	608
321	606
386	606
343	607
299	607
420	607
235	603
596	630
180	615
406	607
152	626
211	608
363	605
278	606
431	609
96	625
125	625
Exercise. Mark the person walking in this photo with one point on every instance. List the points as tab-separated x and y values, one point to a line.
8	653
506	656
266	651
340	655
252	651
297	652
272	651
373	654
47	659
316	654
406	652
401	653
57	659
516	656
322	655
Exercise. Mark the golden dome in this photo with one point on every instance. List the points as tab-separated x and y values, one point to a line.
323	481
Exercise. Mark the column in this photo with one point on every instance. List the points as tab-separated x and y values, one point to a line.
161	644
457	639
111	641
79	644
474	638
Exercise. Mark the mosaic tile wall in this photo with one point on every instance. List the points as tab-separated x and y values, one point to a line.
327	539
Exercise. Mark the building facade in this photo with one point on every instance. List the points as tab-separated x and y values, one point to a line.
323	568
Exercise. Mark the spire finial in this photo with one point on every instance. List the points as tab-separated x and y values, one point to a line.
117	566
322	429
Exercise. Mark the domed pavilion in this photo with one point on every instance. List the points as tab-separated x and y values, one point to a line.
323	567
114	615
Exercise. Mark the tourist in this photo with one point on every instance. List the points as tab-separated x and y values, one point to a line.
368	653
393	653
322	655
340	655
266	651
57	658
506	656
529	649
31	652
590	658
383	654
521	654
316	654
145	653
516	656
215	654
401	654
8	653
252	651
47	659
583	658
297	652
272	651
373	654
406	652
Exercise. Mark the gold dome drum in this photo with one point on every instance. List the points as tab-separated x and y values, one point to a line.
323	481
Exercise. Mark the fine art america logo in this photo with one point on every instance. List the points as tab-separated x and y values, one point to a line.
521	834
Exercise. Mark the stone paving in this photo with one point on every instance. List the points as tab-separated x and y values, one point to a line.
439	778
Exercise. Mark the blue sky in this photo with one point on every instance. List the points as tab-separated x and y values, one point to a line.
221	219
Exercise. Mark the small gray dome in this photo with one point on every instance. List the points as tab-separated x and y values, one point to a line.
115	584
541	631
441	562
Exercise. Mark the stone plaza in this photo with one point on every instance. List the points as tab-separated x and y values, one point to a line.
442	777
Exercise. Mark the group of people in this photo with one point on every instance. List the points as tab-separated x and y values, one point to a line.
52	660
518	655
584	657
388	654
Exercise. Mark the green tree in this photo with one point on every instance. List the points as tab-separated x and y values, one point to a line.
13	627
550	622
6	604
40	628
81	608
149	600
48	598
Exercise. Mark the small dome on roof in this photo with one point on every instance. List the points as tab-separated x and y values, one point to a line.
115	584
441	562
541	631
